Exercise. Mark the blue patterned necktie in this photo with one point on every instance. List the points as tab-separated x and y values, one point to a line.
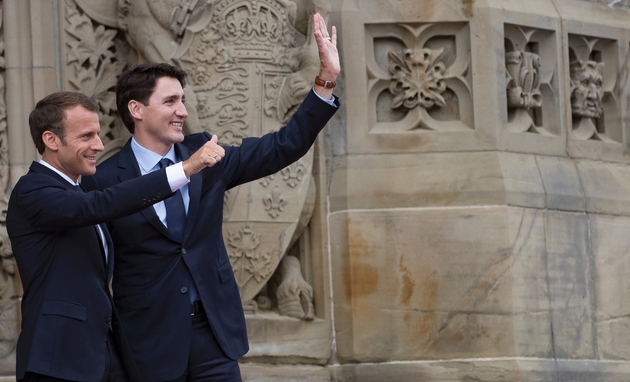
175	209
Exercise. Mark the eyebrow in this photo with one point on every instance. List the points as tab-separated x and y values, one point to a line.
171	96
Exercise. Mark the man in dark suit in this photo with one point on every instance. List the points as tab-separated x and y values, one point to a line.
70	331
177	296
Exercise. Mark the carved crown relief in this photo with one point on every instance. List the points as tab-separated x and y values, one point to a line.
419	77
531	80
593	76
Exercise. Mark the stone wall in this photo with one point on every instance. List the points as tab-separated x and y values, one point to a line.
464	216
478	202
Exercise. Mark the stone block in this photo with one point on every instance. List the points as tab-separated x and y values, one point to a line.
251	372
561	182
570	284
610	243
272	337
606	187
417	180
522	180
494	304
488	370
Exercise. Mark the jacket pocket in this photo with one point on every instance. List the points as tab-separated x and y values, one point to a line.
65	308
225	272
133	302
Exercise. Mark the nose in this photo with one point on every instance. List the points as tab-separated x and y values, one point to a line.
97	144
181	111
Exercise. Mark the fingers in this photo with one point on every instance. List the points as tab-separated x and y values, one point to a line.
208	155
320	30
215	151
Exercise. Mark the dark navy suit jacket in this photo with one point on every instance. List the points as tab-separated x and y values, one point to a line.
151	267
67	307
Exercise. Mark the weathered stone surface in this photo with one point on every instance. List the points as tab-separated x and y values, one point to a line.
275	337
606	187
562	183
570	284
427	317
283	373
610	243
426	180
493	370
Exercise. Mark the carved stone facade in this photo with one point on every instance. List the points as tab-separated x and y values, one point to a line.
463	217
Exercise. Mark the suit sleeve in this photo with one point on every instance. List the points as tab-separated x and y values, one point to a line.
48	205
266	155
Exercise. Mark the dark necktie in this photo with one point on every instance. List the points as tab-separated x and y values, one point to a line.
175	209
175	220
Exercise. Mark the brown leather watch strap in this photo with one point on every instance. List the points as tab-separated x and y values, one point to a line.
326	84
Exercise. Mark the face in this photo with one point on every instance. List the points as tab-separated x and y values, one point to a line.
160	124
76	155
588	93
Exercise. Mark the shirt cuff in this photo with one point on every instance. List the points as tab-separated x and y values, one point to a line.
176	176
330	101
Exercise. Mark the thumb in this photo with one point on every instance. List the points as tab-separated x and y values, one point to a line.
214	139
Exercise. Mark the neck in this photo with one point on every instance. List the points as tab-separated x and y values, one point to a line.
53	162
152	145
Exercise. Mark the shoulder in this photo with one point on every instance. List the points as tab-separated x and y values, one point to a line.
40	179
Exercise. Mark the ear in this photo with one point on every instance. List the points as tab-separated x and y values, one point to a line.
51	141
135	109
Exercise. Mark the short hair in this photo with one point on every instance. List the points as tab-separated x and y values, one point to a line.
138	83
50	114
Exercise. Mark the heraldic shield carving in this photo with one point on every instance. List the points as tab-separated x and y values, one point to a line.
239	56
250	63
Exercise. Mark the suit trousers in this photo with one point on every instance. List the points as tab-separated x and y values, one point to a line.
114	371
207	362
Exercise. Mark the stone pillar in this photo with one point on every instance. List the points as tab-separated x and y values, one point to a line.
31	43
479	198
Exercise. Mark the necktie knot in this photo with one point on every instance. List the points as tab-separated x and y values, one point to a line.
164	162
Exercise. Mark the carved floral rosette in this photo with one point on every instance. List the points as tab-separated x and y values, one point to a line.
419	77
239	55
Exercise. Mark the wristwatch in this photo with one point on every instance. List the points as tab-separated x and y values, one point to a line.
326	84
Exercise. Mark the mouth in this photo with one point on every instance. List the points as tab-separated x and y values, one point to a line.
179	125
91	159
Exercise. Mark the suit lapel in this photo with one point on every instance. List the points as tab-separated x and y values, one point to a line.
128	170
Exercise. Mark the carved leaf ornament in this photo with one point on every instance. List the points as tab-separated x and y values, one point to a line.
418	78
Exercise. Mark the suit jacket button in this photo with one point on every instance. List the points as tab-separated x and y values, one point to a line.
183	251
108	321
184	290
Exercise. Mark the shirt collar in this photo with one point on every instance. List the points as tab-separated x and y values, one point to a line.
66	177
147	159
